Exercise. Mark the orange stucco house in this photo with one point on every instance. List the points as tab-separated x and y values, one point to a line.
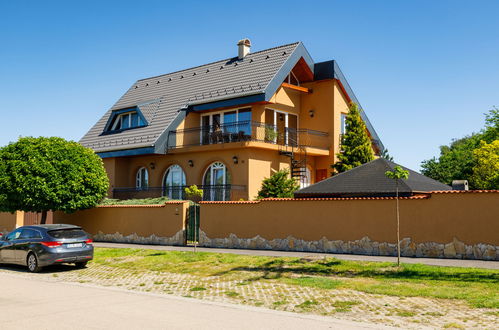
226	125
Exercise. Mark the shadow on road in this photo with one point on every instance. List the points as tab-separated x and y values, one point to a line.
45	270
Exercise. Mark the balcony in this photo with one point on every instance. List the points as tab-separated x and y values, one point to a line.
246	132
210	192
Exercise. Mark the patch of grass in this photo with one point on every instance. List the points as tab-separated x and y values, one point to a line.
316	282
280	303
198	288
434	314
493	313
344	306
405	313
307	304
478	287
453	326
159	283
231	293
142	284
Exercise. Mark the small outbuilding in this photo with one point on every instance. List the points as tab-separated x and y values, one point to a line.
369	180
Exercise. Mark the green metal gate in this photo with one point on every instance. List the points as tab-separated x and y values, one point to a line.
192	230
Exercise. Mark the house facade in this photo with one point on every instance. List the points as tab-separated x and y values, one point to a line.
226	125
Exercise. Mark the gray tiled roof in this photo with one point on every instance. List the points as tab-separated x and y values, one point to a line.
370	180
160	98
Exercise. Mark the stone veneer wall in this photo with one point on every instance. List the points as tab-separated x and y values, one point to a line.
455	249
442	225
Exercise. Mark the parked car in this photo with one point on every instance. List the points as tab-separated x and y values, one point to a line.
43	245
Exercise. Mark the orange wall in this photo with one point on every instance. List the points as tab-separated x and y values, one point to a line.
9	221
470	217
325	100
161	220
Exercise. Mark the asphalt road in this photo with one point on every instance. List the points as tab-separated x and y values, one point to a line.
30	303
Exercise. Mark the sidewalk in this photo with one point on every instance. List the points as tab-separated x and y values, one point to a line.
31	303
271	253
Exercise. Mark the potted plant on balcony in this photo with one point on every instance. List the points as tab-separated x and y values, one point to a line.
270	134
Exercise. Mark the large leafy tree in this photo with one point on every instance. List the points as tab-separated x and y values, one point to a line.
457	160
486	170
356	148
50	174
279	185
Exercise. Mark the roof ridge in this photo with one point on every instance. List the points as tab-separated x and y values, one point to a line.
222	60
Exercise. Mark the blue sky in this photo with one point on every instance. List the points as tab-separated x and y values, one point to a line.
425	71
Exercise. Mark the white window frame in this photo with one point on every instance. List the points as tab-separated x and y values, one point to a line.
294	76
305	180
171	168
138	179
121	117
343	123
221	113
213	166
286	121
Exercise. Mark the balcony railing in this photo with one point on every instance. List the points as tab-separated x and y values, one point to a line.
245	131
210	192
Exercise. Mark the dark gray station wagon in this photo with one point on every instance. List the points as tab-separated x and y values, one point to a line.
44	245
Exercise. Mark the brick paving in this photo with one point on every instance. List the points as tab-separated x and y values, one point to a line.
404	312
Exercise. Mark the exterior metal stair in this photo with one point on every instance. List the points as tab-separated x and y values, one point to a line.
298	157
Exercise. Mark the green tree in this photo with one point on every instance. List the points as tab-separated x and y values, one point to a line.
356	147
279	185
386	155
397	174
457	160
486	170
50	174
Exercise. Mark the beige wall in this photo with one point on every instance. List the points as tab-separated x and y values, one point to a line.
471	218
118	222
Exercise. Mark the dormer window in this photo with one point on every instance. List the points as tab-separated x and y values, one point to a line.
125	119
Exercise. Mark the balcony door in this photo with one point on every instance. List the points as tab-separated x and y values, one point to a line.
226	126
285	126
216	183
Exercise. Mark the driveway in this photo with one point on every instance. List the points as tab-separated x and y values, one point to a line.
30	303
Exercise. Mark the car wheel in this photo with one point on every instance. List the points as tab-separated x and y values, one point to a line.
32	263
81	264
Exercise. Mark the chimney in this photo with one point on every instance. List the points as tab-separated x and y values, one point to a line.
244	46
460	185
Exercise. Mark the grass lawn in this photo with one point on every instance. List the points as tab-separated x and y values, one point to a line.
478	287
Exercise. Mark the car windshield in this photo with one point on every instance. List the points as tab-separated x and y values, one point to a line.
67	233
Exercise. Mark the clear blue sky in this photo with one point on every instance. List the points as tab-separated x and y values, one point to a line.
425	71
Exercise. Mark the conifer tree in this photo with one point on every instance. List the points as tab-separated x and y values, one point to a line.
356	146
279	185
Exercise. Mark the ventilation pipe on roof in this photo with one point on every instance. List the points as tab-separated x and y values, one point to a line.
244	46
460	185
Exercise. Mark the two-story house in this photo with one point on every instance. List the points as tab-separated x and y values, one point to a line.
226	125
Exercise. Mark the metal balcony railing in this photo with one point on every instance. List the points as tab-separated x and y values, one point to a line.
245	131
210	192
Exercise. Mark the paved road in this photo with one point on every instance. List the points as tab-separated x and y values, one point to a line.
425	261
30	303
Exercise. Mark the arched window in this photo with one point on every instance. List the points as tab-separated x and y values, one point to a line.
305	178
142	178
216	183
174	182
